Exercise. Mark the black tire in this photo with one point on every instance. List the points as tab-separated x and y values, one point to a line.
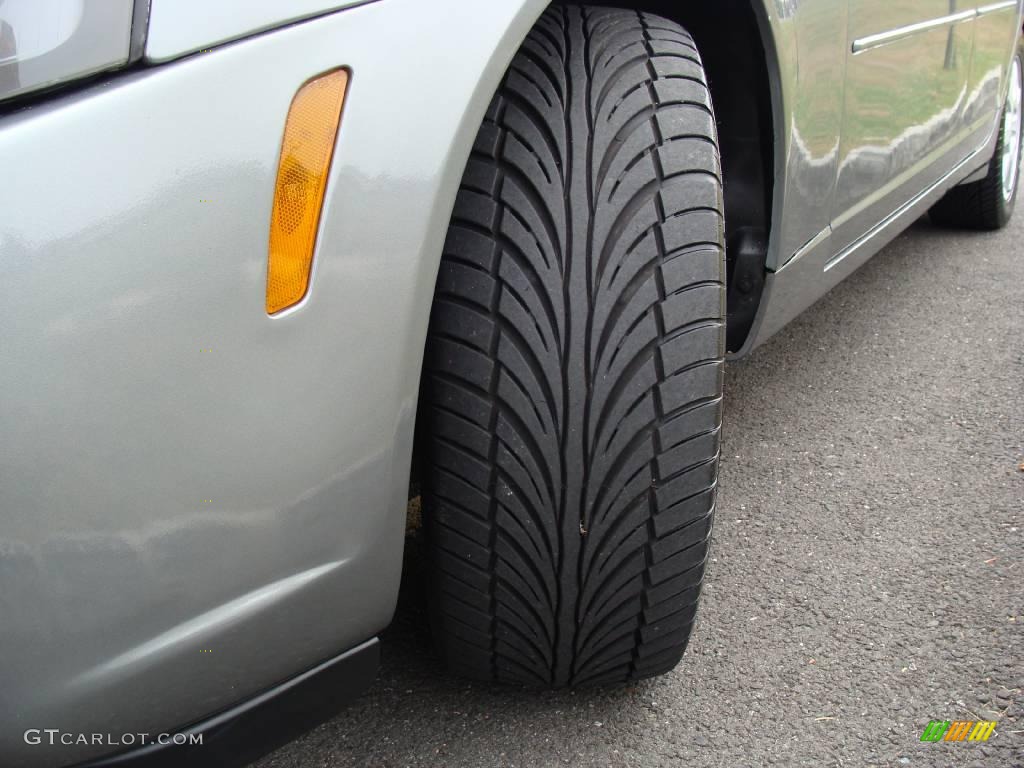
573	373
980	204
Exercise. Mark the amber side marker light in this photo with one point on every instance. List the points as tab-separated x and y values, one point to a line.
306	151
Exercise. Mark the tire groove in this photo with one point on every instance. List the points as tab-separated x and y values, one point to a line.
558	290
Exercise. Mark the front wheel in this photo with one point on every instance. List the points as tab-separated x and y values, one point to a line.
988	203
573	370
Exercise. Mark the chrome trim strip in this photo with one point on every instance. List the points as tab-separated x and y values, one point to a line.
993	7
884	38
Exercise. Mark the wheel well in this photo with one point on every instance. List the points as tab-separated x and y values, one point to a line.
737	67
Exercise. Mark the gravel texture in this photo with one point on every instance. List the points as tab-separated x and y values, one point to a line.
867	570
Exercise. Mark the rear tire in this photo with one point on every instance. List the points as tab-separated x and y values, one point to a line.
573	370
987	203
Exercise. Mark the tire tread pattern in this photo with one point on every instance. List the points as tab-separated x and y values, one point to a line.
573	370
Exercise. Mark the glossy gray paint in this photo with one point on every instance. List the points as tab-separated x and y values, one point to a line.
806	129
835	206
180	471
179	27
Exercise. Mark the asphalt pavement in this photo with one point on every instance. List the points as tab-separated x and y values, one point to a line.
868	557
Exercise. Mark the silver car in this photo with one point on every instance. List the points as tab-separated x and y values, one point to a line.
269	266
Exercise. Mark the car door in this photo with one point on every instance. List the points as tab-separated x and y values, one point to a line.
903	124
996	30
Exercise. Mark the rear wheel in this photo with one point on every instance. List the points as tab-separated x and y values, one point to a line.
573	371
988	203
